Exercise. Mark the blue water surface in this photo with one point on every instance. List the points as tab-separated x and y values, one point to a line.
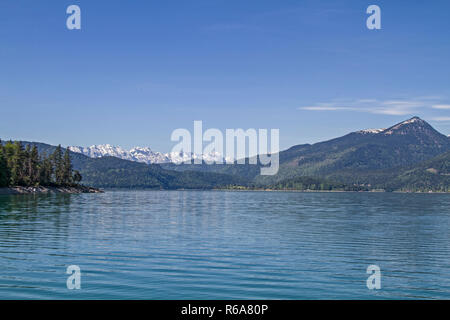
225	245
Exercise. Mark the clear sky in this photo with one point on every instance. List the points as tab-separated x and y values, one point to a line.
139	69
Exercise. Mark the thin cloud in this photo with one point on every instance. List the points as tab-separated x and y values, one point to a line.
441	106
326	108
440	119
394	107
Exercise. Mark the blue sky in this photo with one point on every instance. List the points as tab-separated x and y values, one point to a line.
140	69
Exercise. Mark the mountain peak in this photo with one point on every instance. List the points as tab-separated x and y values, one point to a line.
413	119
413	124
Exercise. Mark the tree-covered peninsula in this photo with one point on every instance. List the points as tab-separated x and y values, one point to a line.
25	167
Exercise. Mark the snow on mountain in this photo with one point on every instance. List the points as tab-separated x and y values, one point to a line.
399	128
146	155
368	131
102	151
143	154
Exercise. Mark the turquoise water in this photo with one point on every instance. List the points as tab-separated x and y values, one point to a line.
225	245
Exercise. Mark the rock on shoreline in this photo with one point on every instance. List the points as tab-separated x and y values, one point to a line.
40	189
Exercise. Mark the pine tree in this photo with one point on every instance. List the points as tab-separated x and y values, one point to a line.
58	165
67	169
8	152
21	166
4	174
26	165
45	170
17	164
34	166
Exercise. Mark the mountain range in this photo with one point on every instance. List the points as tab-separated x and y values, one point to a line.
409	156
142	154
113	172
368	157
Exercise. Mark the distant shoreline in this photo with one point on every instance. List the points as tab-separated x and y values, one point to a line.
45	190
19	190
329	191
276	190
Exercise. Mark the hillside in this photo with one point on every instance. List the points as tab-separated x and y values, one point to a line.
433	174
111	172
369	157
409	156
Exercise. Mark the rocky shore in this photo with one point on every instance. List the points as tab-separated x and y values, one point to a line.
36	190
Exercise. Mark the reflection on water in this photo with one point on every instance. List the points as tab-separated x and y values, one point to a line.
225	245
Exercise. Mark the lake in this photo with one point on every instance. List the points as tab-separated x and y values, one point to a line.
225	245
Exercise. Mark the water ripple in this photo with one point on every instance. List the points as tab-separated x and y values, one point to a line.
225	245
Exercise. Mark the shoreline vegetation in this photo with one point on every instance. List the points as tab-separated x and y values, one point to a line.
25	171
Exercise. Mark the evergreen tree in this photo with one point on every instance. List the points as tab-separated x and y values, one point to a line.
21	166
58	165
67	168
8	153
34	166
26	165
45	170
4	176
16	164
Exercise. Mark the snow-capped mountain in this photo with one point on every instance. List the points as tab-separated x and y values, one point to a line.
99	151
142	154
371	131
414	125
146	155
